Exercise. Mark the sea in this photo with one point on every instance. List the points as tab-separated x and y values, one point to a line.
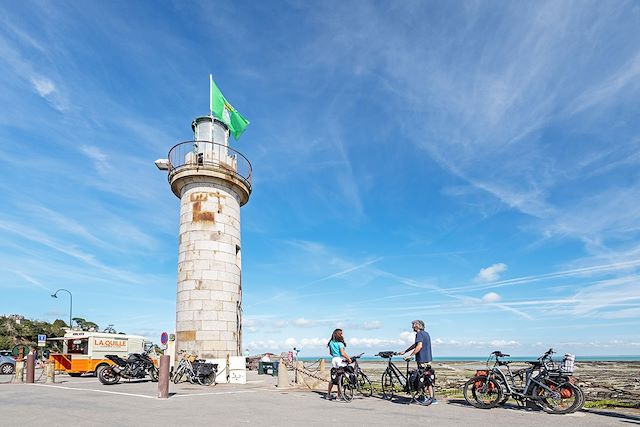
484	358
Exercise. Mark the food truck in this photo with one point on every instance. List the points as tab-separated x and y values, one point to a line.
84	352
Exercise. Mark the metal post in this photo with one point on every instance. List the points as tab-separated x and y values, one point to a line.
55	295
31	368
163	377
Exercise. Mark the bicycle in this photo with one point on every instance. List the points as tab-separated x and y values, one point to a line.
363	384
196	370
350	379
413	382
548	387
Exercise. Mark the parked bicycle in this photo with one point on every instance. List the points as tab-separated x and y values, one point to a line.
351	379
416	382
196	371
550	387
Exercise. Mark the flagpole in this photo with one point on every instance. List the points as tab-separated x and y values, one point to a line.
210	95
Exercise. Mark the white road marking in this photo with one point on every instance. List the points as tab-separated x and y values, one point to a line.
97	391
213	392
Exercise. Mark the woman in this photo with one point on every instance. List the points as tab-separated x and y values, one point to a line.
339	357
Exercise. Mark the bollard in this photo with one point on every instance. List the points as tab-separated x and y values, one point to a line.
299	370
51	372
19	375
283	375
31	368
163	377
323	368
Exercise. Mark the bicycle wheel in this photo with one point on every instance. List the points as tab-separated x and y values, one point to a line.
390	387
505	392
178	374
364	385
208	379
482	392
560	399
346	387
153	374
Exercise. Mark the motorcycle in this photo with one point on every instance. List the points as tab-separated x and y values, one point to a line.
137	365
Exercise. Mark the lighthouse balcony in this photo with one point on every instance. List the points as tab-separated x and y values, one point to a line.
206	156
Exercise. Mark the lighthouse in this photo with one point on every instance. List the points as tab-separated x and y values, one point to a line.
212	181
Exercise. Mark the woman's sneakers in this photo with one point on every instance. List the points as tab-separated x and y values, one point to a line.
330	397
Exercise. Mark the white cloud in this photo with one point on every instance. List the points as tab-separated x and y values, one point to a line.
491	273
491	297
372	325
43	85
100	159
304	323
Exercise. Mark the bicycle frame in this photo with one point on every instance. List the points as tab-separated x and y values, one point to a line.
526	392
402	378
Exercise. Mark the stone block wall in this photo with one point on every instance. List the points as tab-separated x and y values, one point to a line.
208	315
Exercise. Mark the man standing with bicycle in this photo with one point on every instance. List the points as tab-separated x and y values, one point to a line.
422	350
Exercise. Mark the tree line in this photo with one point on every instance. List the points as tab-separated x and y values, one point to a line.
16	329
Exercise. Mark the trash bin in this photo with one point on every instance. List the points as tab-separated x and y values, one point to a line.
268	368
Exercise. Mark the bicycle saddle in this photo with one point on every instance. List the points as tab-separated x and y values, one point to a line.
386	354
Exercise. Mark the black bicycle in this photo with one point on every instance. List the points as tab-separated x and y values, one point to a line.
549	387
416	383
351	379
363	384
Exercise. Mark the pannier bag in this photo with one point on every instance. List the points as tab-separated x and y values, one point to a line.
566	392
335	377
204	369
481	383
568	364
430	376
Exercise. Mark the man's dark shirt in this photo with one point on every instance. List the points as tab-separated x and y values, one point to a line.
424	355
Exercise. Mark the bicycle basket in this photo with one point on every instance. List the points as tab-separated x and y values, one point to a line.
568	364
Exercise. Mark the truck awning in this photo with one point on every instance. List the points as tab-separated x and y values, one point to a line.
78	337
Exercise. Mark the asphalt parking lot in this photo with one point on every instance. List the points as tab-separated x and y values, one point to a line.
84	401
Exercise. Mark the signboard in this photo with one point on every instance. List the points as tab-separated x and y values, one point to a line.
109	344
42	340
164	338
15	351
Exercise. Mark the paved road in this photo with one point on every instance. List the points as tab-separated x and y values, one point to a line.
84	401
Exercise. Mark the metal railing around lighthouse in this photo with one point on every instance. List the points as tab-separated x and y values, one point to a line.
209	155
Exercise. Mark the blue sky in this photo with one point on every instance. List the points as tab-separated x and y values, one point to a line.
471	164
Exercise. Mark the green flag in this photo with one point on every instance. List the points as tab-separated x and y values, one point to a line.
221	108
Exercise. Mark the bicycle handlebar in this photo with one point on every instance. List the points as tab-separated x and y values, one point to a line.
547	354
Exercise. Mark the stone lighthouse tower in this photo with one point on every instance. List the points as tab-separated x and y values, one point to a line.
212	181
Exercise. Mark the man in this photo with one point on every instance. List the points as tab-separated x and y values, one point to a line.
422	350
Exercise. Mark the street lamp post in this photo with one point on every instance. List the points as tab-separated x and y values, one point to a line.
55	295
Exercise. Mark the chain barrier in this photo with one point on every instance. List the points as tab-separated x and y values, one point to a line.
305	372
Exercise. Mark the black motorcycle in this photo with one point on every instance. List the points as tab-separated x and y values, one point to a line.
137	365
